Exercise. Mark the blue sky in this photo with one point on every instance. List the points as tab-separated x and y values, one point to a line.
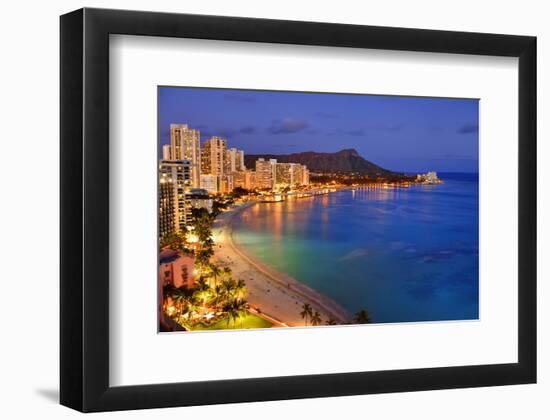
399	133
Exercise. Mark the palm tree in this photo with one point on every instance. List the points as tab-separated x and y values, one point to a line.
330	322
215	271
307	311
236	309
229	286
316	318
240	291
362	317
202	296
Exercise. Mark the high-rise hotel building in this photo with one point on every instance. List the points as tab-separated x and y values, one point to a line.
234	160
213	156
185	145
266	173
174	179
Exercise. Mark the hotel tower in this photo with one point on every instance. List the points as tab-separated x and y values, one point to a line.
185	145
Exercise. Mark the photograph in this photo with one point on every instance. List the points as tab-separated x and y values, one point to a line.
285	209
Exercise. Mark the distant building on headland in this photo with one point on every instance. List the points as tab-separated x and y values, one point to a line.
428	178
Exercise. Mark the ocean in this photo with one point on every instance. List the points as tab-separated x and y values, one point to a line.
402	254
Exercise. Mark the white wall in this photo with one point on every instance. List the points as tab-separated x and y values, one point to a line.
29	219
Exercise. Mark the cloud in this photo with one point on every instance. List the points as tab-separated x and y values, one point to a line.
356	132
388	127
467	129
239	97
287	126
226	132
248	129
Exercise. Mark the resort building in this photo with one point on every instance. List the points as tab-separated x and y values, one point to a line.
213	156
176	269
166	152
266	173
428	178
245	179
174	179
291	175
304	177
234	160
210	183
198	198
185	145
226	183
167	211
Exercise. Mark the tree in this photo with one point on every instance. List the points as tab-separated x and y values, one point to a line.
239	192
215	271
307	311
236	309
240	290
330	321
202	258
362	317
316	318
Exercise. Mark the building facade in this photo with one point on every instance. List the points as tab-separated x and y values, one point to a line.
176	269
213	156
266	173
167	211
245	179
234	160
185	145
174	179
210	183
198	198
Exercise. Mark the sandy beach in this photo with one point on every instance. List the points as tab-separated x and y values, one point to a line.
273	295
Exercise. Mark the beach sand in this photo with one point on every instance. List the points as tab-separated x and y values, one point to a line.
273	295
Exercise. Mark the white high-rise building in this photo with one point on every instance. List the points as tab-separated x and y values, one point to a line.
234	160
185	145
166	152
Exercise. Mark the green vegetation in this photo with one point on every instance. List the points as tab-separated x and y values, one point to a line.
216	300
247	322
307	312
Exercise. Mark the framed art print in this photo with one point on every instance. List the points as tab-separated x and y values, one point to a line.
280	209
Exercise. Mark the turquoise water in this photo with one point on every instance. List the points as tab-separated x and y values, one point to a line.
402	254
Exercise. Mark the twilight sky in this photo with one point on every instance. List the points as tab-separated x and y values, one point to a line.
398	133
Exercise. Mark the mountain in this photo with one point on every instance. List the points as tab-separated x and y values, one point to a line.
344	161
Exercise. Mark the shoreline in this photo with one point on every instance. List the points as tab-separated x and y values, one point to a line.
273	295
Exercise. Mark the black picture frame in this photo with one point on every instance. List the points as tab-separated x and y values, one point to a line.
84	298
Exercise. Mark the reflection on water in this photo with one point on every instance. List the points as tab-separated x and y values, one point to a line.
406	254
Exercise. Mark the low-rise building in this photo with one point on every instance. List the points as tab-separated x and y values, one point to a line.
210	183
198	198
176	269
